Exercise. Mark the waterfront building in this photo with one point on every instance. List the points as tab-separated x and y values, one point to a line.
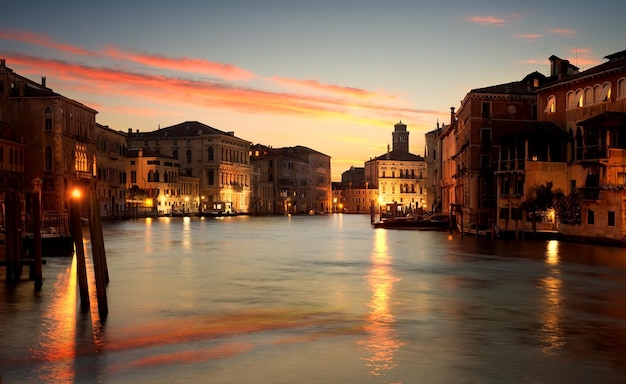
110	180
469	184
590	106
59	138
433	168
398	175
152	184
357	195
219	159
292	179
11	159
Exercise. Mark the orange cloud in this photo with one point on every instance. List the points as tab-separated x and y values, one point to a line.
486	20
162	89
44	41
528	36
566	32
316	85
184	64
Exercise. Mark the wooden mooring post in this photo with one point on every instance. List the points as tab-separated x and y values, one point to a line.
36	270
100	268
81	268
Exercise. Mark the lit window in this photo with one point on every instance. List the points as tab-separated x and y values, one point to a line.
621	88
551	106
606	93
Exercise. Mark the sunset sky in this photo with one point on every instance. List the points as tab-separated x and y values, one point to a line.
334	76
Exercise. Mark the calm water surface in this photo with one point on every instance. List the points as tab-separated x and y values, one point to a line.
321	299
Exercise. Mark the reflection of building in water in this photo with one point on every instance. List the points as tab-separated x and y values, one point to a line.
381	343
551	336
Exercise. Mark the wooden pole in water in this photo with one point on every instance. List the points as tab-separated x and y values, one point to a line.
97	250
81	268
9	237
36	268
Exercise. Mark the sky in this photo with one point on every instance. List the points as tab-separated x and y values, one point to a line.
334	76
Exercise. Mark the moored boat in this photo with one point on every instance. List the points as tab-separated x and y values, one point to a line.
433	222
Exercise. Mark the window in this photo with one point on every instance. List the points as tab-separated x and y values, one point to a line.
48	159
504	213
606	93
588	98
48	119
486	110
133	177
591	217
485	136
621	88
611	218
551	105
189	155
210	153
175	154
485	161
211	177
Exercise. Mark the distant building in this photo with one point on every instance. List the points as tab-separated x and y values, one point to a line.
219	159
152	184
398	175
290	180
433	168
110	180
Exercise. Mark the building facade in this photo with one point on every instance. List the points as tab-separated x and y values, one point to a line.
399	176
59	136
110	180
219	159
291	180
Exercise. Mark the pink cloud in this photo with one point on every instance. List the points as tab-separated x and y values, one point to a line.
566	32
43	41
486	20
184	64
528	36
162	89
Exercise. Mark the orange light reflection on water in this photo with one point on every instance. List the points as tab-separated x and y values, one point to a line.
381	343
551	329
58	334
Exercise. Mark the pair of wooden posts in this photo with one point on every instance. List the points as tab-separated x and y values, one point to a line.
13	240
101	273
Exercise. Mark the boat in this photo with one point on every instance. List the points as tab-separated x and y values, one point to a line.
433	222
53	243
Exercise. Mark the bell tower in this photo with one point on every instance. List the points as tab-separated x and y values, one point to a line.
400	138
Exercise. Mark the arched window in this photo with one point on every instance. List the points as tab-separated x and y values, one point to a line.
48	159
189	155
588	99
551	105
621	88
210	153
48	119
605	95
211	177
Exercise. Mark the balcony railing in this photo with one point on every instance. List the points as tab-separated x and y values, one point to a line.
511	165
591	153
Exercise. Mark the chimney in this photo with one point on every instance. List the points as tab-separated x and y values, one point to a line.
2	63
140	152
451	115
130	130
43	81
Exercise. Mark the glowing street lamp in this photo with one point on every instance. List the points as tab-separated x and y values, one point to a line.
76	194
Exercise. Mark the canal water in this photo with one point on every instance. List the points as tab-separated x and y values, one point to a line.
321	299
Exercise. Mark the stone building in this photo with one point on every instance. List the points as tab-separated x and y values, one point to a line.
219	159
469	182
590	107
433	168
291	180
59	136
399	176
152	183
110	181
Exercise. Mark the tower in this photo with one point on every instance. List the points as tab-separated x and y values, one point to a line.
400	138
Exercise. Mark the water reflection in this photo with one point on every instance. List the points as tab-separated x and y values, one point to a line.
382	342
57	345
552	335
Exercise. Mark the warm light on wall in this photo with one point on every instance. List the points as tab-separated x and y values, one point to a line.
148	203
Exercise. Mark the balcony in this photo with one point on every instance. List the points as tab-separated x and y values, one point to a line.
510	166
591	153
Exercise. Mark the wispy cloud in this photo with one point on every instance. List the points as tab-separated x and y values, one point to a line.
163	89
183	64
565	32
332	88
486	20
530	37
44	41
